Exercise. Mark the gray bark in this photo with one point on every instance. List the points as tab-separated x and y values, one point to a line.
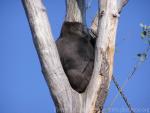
105	25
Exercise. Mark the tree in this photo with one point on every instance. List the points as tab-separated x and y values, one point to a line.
104	26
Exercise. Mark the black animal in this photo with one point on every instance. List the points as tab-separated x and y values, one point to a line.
76	51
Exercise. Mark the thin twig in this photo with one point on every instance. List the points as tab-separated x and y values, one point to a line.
120	89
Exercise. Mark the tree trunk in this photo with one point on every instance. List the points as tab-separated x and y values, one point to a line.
104	25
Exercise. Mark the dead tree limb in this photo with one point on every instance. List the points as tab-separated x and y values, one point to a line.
47	52
76	11
65	98
105	27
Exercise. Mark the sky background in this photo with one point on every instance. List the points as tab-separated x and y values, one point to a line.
22	85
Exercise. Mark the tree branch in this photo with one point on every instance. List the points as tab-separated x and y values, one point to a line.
105	26
76	11
47	52
121	4
94	25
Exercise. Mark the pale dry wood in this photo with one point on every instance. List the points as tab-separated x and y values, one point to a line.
121	4
65	98
94	25
98	87
105	26
47	52
75	11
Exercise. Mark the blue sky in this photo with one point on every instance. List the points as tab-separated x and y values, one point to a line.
22	85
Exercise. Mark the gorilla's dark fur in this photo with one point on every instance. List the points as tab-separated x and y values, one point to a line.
76	51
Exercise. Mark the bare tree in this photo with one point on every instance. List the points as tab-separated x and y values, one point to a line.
104	26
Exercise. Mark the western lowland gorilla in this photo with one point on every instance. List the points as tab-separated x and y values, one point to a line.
76	50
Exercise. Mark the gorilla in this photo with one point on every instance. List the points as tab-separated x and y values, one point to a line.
76	50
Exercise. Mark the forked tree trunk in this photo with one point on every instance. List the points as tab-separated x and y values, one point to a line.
104	25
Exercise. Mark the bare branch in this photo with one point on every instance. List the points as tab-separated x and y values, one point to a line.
76	11
94	25
47	52
121	4
103	5
122	94
106	21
